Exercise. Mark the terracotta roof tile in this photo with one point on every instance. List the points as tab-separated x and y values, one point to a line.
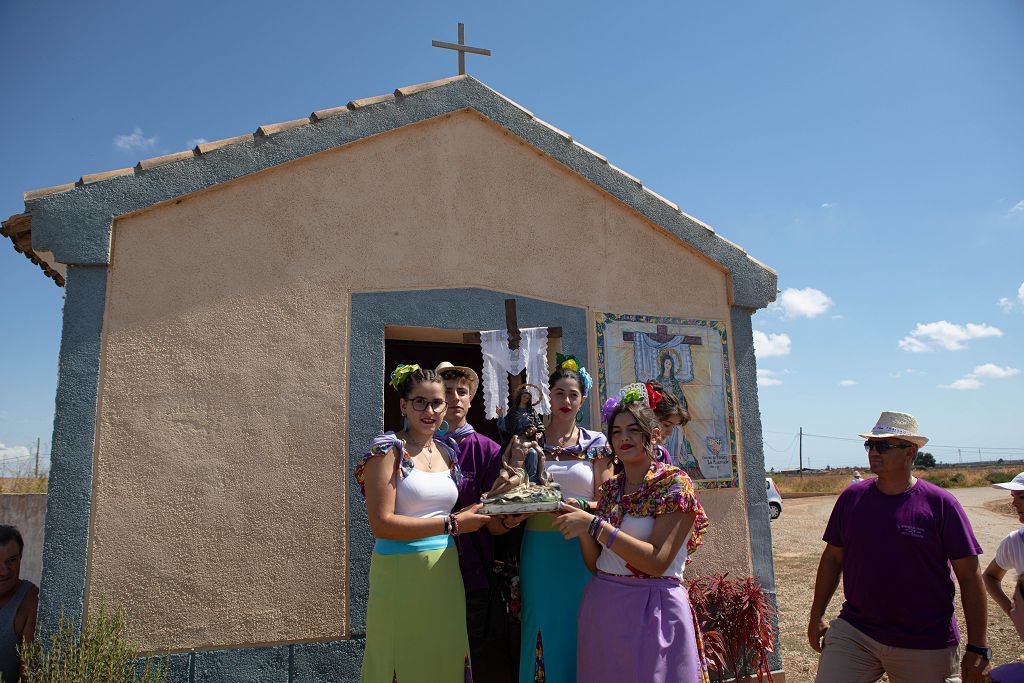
96	177
153	162
19	229
628	175
322	114
559	131
204	147
590	151
413	89
654	194
35	194
272	128
367	101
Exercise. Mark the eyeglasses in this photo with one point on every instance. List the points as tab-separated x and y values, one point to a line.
881	447
419	404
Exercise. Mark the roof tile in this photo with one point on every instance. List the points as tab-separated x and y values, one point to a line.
413	89
90	178
590	151
153	162
322	114
657	196
42	192
272	128
367	101
204	147
557	130
628	175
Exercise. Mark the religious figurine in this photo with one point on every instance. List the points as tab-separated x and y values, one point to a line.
523	482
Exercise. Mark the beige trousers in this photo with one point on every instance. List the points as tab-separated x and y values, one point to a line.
849	656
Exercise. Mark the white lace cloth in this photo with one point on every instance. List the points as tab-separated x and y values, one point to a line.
500	362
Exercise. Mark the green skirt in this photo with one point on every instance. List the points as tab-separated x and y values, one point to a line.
416	615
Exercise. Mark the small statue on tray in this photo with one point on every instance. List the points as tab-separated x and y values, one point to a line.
522	480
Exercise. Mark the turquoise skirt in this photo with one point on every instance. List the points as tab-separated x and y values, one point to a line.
552	577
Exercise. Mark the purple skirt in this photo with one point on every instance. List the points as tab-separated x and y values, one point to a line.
637	631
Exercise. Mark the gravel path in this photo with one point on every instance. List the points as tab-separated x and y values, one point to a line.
797	544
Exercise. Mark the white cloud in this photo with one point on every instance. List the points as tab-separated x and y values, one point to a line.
134	141
827	205
993	371
908	371
1005	303
1018	207
848	383
963	384
947	335
1020	292
767	378
14	452
766	345
802	303
190	144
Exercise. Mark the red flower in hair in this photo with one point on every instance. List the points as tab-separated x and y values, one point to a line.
654	396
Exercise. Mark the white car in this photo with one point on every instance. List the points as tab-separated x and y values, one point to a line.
774	498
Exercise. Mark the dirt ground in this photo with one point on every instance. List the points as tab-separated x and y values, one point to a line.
796	541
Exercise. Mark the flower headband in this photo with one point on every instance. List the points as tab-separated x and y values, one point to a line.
400	374
631	393
573	363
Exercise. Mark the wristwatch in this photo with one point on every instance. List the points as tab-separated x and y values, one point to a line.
984	652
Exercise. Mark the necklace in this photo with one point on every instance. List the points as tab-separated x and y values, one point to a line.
424	449
561	441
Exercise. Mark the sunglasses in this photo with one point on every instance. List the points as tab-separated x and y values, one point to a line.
881	447
419	404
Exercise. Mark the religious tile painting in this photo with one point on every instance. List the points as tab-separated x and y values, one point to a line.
690	358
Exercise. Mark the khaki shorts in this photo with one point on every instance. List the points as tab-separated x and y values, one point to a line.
849	656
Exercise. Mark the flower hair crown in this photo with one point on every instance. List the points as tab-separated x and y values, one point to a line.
631	393
573	363
400	374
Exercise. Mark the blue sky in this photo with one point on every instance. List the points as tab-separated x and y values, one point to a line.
870	152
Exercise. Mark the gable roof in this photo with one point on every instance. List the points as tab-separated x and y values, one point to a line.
71	223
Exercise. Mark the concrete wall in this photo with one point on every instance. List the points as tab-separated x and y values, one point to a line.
27	511
221	455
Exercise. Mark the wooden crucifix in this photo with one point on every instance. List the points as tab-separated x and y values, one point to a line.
514	338
461	48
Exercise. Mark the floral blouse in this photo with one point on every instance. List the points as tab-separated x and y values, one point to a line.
590	446
385	442
665	489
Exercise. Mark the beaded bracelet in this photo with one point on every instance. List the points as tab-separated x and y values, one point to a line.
611	539
455	524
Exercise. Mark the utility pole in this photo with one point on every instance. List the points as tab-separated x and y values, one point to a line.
801	452
960	456
38	442
979	455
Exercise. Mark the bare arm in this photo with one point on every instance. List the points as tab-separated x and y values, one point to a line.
651	557
992	577
972	595
381	484
830	568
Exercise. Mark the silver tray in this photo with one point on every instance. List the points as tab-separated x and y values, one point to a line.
518	508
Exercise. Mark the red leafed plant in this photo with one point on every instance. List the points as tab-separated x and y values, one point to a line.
735	617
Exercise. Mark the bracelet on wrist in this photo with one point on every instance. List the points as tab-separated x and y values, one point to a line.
611	538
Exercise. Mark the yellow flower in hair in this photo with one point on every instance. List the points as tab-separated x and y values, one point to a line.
399	375
571	364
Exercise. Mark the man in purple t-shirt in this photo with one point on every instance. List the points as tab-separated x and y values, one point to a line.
480	462
893	539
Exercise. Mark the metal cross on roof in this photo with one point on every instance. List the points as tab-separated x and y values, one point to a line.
461	48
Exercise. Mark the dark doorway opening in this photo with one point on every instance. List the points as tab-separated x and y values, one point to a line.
429	354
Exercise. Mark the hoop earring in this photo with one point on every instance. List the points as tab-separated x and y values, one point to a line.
579	417
443	429
405	422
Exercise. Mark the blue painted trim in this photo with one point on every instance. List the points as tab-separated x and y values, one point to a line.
76	224
69	501
758	519
243	665
459	309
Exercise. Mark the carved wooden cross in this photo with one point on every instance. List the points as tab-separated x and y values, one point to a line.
461	48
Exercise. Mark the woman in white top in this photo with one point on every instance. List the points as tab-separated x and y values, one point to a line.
416	612
551	572
635	620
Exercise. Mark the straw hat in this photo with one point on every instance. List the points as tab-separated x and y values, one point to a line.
899	425
474	378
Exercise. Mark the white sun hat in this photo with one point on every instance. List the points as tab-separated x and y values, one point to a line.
445	365
891	424
1015	484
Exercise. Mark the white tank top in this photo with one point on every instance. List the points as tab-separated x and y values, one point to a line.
640	528
426	494
576	477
